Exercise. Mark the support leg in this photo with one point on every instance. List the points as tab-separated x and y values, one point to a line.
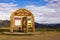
22	29
19	29
11	29
26	29
33	29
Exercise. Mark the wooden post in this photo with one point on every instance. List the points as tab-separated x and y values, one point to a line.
22	25
26	25
11	30
11	25
33	24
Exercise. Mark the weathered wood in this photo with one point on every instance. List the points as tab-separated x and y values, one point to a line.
22	13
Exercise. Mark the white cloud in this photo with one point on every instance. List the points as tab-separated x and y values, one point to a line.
44	14
6	9
54	4
40	9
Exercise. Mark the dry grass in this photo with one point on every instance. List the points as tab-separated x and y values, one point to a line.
37	36
40	35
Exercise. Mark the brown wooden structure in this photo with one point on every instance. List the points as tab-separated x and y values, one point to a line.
24	16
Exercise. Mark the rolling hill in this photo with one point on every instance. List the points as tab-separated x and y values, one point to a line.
37	25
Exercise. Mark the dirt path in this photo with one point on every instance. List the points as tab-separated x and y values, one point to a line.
37	36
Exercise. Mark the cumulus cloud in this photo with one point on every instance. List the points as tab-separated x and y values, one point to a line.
6	9
44	14
49	13
54	3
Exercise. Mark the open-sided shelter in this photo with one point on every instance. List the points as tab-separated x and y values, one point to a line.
23	19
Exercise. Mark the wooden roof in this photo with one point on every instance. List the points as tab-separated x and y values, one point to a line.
22	12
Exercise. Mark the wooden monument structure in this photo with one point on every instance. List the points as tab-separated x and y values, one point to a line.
22	19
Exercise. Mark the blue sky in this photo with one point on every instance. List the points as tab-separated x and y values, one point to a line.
22	3
45	11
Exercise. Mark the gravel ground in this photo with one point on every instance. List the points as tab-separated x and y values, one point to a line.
36	36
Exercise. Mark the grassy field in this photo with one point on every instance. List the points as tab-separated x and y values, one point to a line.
40	34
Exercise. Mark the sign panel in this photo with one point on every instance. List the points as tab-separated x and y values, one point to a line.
29	22
17	22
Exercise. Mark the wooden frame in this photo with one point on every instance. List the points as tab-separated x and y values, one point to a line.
24	13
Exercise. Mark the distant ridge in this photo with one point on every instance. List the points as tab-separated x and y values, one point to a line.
37	25
4	23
